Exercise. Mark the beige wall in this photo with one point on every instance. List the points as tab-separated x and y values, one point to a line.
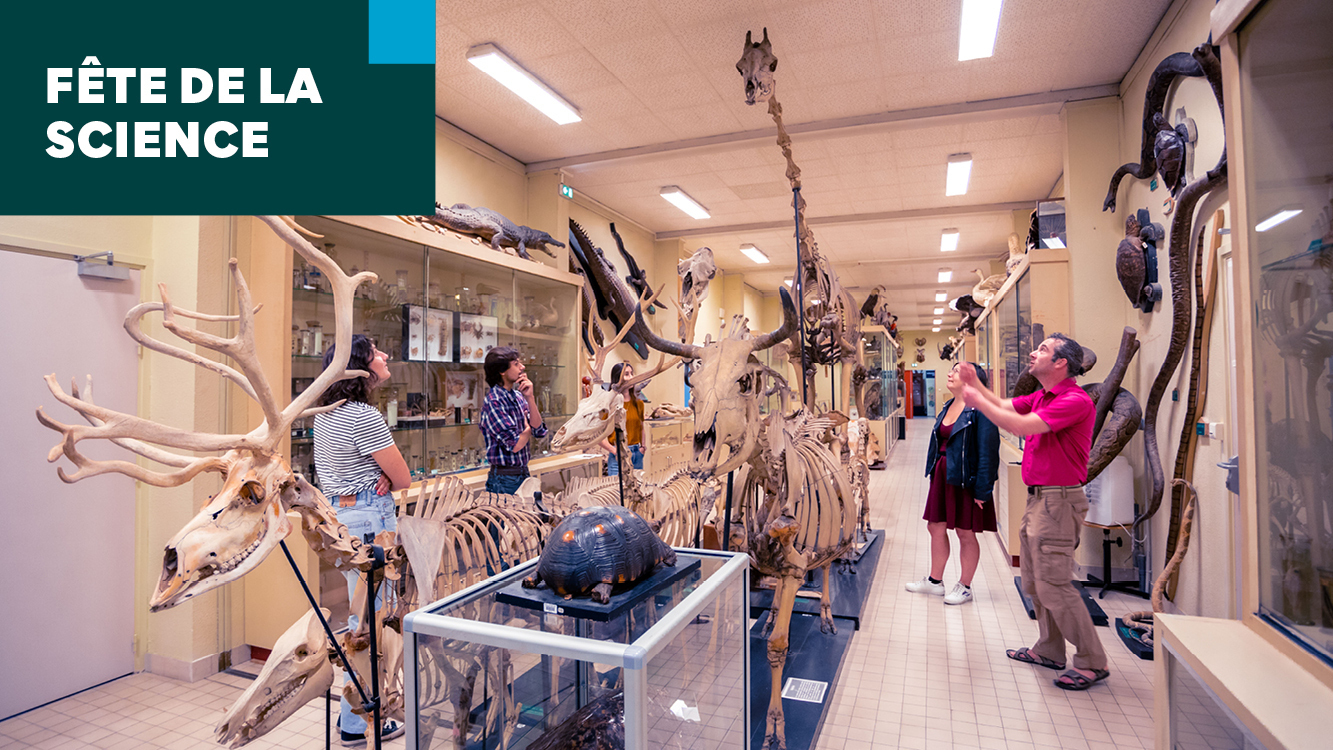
466	171
1101	135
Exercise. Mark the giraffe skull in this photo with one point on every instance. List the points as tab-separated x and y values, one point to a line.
756	66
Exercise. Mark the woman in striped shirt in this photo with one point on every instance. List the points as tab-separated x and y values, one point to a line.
358	464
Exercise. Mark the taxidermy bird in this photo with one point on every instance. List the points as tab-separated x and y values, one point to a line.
986	287
970	311
1016	253
868	307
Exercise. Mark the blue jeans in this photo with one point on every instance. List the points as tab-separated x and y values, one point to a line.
504	485
635	459
371	514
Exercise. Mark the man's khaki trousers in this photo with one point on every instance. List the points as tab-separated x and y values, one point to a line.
1049	535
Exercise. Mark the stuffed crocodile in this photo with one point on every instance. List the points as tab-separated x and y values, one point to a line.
493	228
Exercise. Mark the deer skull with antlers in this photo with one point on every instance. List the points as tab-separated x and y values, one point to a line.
604	409
247	519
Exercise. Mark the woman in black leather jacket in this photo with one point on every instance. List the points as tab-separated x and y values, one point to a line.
962	464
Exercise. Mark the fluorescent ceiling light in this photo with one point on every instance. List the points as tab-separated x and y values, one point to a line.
680	200
945	275
1052	242
937	321
934	330
1276	219
787	282
949	240
976	36
960	171
490	60
938	311
754	253
941	296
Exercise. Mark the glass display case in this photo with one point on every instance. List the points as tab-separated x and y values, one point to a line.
440	304
883	394
1288	156
497	665
1008	330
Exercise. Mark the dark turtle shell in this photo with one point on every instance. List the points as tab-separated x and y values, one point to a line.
604	545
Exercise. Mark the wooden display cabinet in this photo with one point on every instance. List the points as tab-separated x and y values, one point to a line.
441	303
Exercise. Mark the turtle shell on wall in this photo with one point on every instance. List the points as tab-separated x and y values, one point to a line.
594	549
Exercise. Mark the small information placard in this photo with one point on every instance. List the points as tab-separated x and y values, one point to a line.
809	691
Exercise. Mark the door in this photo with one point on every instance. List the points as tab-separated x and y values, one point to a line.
68	590
930	393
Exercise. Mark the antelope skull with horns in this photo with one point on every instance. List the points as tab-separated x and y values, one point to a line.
247	518
725	387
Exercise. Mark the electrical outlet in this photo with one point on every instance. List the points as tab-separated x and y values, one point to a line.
1215	430
1201	429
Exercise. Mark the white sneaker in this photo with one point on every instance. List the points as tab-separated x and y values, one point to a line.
924	586
960	595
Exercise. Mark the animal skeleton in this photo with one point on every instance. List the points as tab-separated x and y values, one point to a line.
798	508
248	517
831	320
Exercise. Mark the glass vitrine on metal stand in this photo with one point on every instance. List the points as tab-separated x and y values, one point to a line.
497	665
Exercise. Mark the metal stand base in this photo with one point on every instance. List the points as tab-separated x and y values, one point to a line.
1105	583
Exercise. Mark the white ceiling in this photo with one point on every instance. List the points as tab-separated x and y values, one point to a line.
662	104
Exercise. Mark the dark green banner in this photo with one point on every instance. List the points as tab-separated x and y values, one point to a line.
220	108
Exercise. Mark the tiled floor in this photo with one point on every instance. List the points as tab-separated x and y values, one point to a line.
919	674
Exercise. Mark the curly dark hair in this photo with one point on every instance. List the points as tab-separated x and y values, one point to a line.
352	389
497	361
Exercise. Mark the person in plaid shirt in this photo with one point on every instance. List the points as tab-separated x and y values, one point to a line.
509	420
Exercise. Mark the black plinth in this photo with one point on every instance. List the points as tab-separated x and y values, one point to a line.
622	597
1094	609
849	590
812	656
1135	646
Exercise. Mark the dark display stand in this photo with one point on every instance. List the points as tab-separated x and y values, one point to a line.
813	656
622	598
1135	646
1094	609
849	590
1106	582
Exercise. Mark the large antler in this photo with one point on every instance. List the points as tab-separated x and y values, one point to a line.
141	436
344	287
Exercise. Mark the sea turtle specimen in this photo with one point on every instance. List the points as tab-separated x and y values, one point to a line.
597	548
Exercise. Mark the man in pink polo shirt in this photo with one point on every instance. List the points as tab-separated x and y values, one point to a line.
1057	421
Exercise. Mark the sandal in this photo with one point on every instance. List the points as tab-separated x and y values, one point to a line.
1074	680
1027	656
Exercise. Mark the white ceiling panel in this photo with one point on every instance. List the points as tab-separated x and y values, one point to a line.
658	76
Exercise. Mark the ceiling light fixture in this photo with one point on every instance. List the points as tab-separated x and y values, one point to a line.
754	253
941	296
787	282
945	276
937	321
934	330
949	240
490	60
1277	218
976	35
960	171
938	311
679	199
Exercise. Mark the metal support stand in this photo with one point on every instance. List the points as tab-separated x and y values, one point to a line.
799	283
726	519
620	462
366	700
1105	583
